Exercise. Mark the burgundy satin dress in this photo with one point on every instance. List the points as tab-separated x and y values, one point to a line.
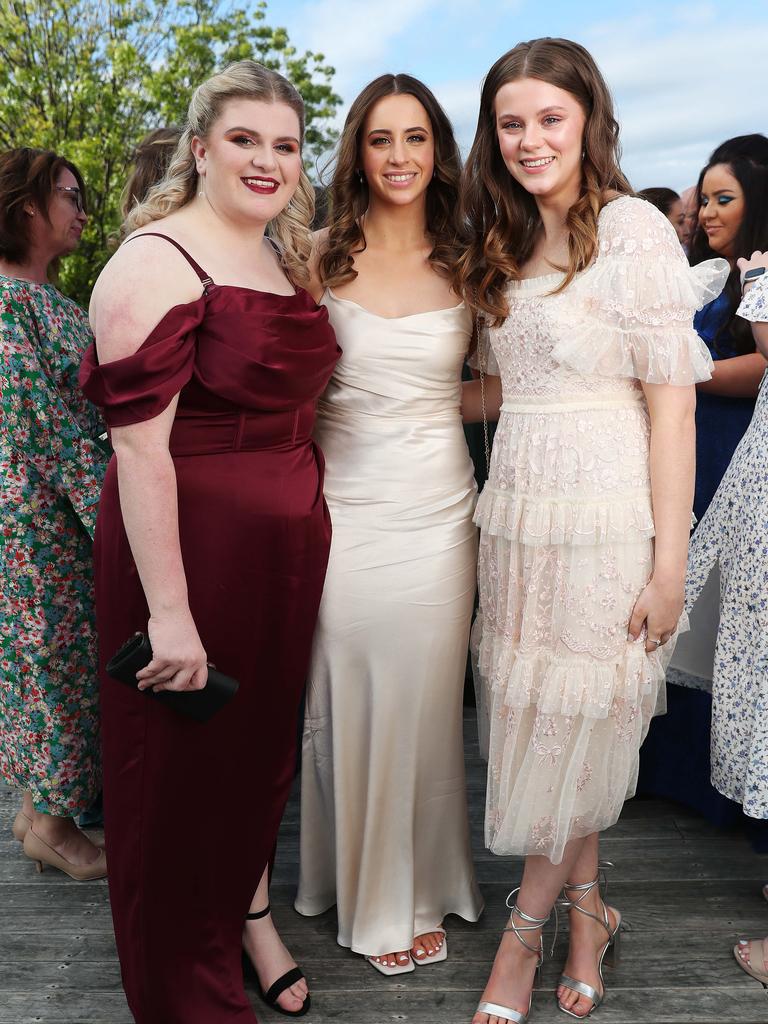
192	810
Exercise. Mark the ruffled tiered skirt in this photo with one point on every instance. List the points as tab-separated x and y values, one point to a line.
565	696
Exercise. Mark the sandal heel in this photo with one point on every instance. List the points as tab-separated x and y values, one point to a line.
613	953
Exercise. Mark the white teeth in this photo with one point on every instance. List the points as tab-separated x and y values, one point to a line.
537	163
260	182
400	177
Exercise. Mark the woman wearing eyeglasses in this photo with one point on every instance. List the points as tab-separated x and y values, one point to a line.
51	470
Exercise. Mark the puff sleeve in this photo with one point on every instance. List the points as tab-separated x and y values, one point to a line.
140	386
634	306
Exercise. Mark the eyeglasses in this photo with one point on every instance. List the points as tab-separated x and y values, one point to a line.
74	193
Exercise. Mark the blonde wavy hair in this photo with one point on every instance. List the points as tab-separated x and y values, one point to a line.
500	217
245	79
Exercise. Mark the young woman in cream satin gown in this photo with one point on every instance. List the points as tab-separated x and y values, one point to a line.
384	830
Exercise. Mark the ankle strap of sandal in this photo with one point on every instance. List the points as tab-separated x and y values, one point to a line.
532	924
584	889
259	914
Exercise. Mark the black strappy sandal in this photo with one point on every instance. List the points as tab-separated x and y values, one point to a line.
284	982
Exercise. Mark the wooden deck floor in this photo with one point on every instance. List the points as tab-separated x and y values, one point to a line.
687	891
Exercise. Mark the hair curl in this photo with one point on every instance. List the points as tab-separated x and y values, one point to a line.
349	195
501	218
28	176
746	157
245	79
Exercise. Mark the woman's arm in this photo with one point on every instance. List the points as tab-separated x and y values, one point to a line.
672	465
757	303
472	399
124	309
738	377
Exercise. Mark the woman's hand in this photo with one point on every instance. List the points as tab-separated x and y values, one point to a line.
659	608
179	660
757	259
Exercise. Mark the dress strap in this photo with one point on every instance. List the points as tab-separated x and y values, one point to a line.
206	279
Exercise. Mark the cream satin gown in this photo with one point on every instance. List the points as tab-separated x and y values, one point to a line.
384	830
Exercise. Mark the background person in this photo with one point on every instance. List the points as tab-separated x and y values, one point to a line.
734	534
51	469
212	537
384	826
150	161
670	204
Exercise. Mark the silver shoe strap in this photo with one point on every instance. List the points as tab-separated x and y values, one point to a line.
513	1016
584	889
532	924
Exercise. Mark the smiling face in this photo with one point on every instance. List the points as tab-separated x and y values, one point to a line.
397	150
540	129
250	163
722	209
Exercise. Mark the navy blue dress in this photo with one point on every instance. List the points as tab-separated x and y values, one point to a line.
721	421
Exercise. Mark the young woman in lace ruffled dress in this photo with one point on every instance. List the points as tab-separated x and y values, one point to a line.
585	518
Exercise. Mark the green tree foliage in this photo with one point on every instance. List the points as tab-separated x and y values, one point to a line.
88	78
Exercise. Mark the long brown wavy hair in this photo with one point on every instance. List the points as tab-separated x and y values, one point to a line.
348	194
500	217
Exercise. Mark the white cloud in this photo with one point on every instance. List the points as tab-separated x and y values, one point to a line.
356	36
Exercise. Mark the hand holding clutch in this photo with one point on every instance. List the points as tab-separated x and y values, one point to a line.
136	654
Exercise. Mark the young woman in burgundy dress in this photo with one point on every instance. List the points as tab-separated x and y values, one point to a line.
212	537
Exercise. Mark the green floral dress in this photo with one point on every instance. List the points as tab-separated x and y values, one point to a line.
51	468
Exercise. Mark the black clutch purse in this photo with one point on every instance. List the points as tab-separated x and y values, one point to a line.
136	654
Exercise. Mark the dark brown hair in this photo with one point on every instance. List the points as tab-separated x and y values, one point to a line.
150	162
746	157
27	176
661	198
348	195
501	217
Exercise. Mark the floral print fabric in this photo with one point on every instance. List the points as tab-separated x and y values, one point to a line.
51	469
566	519
734	533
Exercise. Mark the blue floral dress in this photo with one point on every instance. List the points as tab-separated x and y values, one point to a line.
734	532
51	468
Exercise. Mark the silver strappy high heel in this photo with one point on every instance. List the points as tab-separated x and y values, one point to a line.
532	924
610	953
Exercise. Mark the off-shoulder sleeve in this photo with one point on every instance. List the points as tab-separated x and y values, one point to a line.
483	357
632	311
754	305
140	386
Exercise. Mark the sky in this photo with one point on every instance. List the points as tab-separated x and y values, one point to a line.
685	76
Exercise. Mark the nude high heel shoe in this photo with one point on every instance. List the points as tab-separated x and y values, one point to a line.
21	825
39	851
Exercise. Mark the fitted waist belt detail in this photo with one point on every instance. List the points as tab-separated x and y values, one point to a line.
211	434
545	403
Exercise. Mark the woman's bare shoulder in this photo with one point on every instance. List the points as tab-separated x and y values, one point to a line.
142	281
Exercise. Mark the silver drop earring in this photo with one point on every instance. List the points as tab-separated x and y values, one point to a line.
361	177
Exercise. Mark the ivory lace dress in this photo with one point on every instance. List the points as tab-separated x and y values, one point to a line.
567	529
